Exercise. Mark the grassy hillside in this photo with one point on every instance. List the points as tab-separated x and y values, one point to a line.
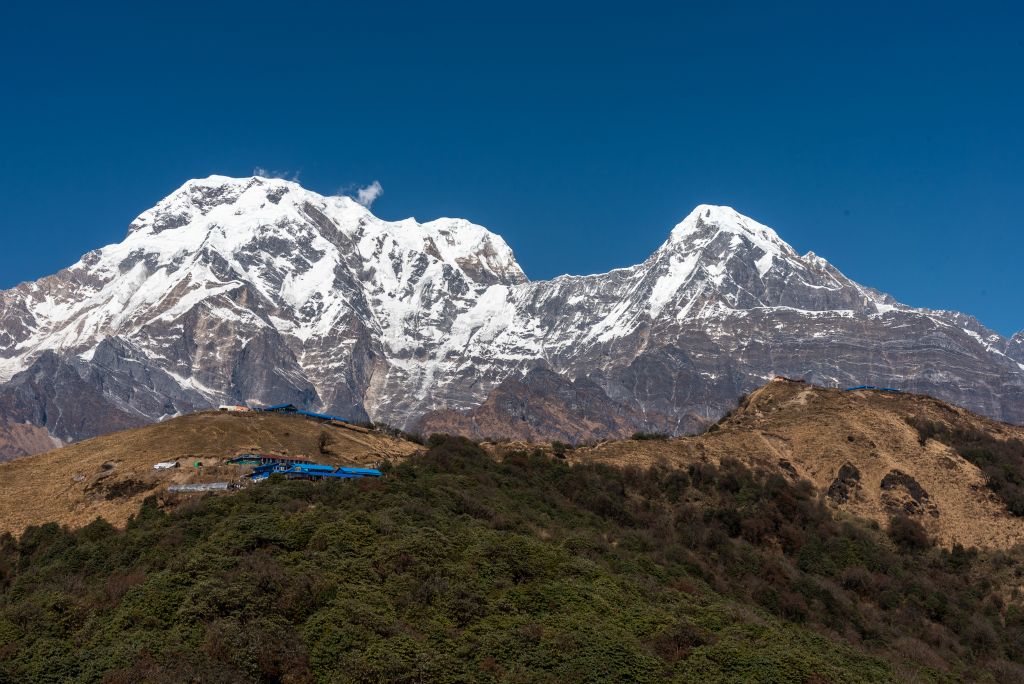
872	454
109	476
458	568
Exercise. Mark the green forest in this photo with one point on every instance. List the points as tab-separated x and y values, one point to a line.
455	567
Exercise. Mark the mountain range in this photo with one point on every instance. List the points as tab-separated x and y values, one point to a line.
257	290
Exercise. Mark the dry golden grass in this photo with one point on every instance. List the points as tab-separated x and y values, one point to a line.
109	476
817	430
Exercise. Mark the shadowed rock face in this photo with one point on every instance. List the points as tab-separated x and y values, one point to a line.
846	484
73	402
544	406
257	290
901	493
19	439
1015	347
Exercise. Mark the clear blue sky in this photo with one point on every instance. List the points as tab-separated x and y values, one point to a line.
886	137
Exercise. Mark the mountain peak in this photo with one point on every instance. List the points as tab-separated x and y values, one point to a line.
707	221
228	200
230	186
257	289
256	214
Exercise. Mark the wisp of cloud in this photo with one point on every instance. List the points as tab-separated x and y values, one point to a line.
284	175
367	195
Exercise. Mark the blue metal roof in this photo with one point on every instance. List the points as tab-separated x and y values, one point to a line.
361	471
311	470
322	416
313	467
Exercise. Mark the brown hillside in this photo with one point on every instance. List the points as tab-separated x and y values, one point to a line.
109	476
860	452
22	439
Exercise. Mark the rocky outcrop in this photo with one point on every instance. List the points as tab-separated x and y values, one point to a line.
73	401
22	439
1015	347
257	290
544	406
901	493
846	484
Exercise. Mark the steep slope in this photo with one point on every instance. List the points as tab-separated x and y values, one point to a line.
21	439
80	399
258	290
541	406
109	476
863	451
1015	347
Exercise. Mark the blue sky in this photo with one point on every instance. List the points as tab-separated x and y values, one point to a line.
886	139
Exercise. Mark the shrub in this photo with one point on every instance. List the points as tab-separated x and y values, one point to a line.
643	436
1002	461
908	533
457	567
559	448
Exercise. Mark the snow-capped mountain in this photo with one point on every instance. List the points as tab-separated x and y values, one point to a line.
258	290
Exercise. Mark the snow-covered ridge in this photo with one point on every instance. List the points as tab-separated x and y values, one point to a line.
252	288
213	236
239	206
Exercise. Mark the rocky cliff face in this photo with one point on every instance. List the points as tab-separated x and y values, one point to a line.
544	406
21	439
1015	347
258	290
